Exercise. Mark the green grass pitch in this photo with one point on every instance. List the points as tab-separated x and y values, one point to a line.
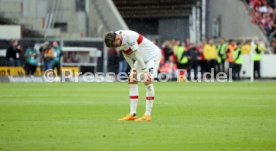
186	116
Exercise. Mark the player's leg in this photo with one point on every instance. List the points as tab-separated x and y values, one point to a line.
133	96
133	93
150	88
152	66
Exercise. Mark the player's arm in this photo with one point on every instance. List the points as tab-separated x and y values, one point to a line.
136	55
139	59
129	61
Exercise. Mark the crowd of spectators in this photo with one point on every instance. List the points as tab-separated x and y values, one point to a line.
207	56
47	55
210	56
264	14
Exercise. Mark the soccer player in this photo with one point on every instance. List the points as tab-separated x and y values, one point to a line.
143	57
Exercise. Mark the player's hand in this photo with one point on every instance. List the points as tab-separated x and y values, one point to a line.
147	77
133	75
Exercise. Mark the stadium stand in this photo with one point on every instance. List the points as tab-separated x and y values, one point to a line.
174	25
263	13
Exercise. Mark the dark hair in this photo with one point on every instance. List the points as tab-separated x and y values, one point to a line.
109	39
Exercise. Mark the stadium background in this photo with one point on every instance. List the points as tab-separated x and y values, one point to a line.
36	115
82	24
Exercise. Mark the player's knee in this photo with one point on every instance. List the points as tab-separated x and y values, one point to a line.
149	87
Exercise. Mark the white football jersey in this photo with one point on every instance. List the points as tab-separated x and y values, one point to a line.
133	41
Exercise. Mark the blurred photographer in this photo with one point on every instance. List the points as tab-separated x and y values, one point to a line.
57	56
47	56
31	60
13	54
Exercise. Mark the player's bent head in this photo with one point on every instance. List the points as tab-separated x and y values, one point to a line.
109	39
